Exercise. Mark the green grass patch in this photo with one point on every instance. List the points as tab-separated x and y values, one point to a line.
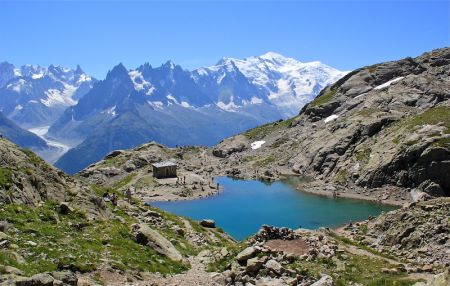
264	162
368	112
396	140
412	142
367	271
263	130
145	181
73	241
432	116
444	142
352	269
372	69
359	245
6	178
224	263
122	183
249	158
32	157
439	115
363	155
323	99
341	176
280	141
114	161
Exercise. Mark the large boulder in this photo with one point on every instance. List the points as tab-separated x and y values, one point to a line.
41	279
274	266
232	145
65	208
208	223
325	280
253	265
247	253
67	277
150	237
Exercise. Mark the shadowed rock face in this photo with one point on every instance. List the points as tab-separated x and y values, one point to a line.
402	107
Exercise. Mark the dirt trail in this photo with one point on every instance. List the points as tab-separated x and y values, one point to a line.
196	275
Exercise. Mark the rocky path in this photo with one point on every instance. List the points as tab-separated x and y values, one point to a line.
195	276
359	251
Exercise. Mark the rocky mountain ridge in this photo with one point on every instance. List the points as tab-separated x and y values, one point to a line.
20	136
174	106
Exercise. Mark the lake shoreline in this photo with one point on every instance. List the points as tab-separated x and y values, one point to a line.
353	196
316	187
277	203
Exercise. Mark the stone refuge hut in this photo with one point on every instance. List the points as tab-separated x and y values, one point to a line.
166	169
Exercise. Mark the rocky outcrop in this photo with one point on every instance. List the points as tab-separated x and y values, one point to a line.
232	145
267	261
325	280
56	278
27	179
209	223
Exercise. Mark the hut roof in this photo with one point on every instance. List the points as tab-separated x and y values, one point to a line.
164	164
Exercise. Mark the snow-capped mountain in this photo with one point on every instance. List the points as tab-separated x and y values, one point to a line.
130	107
34	96
271	78
167	104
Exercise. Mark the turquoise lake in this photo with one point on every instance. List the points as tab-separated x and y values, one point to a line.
245	205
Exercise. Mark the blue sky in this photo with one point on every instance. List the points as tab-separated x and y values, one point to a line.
98	35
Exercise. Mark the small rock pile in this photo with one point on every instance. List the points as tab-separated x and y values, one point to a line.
259	264
271	232
154	218
320	247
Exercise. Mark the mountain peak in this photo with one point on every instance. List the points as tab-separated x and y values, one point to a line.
78	70
272	55
117	70
169	64
225	61
6	64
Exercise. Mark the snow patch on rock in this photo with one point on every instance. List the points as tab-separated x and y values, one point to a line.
331	118
257	144
388	83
